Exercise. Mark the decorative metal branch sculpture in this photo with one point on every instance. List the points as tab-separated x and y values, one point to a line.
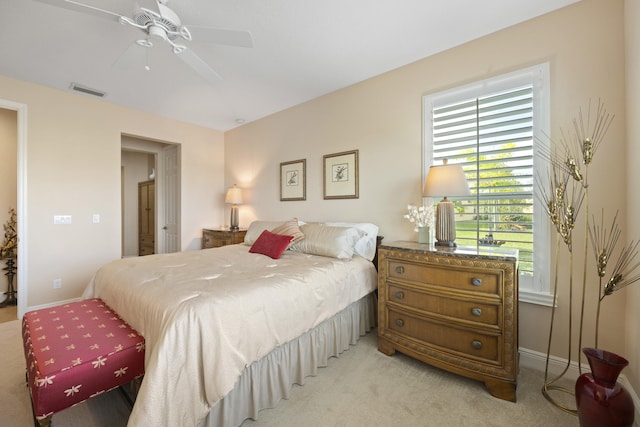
567	195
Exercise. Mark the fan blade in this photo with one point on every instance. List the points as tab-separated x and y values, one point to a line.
169	14
134	57
199	66
215	35
83	8
147	4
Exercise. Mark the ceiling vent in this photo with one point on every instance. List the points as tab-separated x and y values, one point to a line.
84	89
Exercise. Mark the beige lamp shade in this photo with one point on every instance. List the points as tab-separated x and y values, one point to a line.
446	181
234	195
442	181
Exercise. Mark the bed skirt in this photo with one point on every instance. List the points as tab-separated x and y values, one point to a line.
264	383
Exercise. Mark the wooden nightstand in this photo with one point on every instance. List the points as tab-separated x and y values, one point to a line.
217	237
456	309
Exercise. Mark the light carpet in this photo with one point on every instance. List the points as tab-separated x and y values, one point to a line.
362	387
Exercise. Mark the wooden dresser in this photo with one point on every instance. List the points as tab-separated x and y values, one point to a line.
456	309
217	237
146	218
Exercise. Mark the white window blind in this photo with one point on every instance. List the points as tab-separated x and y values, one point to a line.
489	128
492	138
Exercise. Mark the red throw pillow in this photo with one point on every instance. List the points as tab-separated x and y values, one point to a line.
270	244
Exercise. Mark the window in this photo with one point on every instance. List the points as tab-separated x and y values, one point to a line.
490	128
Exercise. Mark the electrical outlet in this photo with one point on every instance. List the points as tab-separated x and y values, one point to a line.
57	283
96	218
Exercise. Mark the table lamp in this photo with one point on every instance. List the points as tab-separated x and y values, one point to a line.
234	197
443	181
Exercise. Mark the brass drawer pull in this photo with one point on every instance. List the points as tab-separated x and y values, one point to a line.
399	322
476	311
476	281
399	295
476	344
400	270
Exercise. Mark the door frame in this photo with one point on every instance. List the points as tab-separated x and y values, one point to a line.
150	146
21	209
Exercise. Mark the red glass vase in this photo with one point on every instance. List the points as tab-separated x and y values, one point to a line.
601	401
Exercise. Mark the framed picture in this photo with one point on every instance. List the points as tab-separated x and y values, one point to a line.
293	180
341	175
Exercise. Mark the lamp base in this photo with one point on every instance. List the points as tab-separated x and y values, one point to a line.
234	219
445	224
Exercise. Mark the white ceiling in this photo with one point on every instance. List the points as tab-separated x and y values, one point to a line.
301	50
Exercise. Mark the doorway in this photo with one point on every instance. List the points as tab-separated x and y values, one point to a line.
150	164
19	112
8	204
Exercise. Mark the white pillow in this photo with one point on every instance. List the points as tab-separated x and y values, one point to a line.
366	245
256	228
290	228
322	239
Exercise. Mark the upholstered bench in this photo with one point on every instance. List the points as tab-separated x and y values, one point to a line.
76	351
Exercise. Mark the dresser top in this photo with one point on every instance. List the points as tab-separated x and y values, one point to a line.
487	252
224	229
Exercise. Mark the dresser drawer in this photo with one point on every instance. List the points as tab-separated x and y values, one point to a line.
464	309
456	309
460	278
480	345
146	239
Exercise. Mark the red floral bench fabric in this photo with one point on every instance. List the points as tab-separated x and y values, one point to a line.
76	351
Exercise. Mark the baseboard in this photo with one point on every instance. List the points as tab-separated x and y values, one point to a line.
51	304
538	361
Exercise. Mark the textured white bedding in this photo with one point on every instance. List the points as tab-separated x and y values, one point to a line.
208	314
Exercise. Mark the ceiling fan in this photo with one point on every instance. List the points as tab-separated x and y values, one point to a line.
161	24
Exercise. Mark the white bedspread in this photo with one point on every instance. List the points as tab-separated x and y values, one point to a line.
208	314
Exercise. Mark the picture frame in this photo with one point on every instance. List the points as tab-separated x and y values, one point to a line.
293	180
340	175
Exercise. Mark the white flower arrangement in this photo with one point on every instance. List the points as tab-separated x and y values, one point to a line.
421	216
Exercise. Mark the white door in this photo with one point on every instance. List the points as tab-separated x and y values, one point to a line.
170	230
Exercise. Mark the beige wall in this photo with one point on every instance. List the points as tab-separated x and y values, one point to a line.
632	320
73	168
381	117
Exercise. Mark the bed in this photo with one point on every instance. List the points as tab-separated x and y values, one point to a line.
229	330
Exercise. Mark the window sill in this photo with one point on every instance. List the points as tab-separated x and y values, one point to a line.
538	298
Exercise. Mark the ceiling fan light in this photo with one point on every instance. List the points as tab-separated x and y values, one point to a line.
144	43
178	49
185	34
157	32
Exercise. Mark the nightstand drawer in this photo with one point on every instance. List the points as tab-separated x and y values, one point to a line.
213	241
464	309
461	278
470	342
212	238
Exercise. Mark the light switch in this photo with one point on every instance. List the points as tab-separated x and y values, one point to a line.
62	219
96	218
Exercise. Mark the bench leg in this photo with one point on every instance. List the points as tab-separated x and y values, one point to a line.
130	391
45	422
